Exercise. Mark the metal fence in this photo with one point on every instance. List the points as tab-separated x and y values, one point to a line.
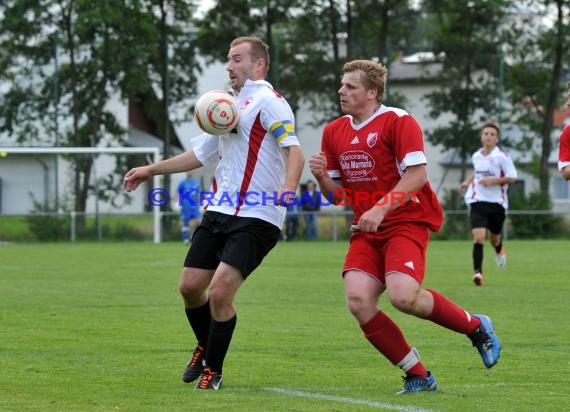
331	225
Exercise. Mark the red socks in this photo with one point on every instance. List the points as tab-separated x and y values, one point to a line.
450	316
388	339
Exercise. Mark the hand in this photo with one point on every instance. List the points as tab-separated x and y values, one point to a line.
371	219
463	187
318	165
135	177
286	197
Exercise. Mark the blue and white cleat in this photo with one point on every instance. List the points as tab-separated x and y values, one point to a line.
486	342
418	384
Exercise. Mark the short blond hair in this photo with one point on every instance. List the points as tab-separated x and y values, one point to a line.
259	49
374	75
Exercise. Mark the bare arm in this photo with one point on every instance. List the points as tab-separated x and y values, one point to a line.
180	163
413	180
491	181
565	173
486	181
463	186
295	163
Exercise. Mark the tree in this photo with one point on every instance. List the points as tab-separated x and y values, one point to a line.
309	41
270	20
383	29
534	77
383	33
329	33
466	41
103	48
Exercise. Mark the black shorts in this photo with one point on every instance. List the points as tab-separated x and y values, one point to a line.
487	215
241	242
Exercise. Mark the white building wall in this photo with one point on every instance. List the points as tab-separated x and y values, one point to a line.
21	178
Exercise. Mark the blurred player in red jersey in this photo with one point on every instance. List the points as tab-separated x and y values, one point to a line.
564	149
376	154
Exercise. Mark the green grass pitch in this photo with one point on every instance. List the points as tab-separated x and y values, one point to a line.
100	327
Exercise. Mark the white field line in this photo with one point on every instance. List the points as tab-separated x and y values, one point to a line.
343	399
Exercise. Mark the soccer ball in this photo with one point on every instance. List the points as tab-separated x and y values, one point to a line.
216	112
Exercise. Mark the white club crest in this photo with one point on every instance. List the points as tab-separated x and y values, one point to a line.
372	139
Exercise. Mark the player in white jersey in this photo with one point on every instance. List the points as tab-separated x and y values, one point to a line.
374	159
258	171
564	148
486	194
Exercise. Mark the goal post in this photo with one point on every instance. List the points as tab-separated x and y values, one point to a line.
154	151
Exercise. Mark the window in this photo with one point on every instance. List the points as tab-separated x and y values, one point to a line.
561	189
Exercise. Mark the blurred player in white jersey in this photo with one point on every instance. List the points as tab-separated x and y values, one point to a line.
259	168
374	159
486	194
564	148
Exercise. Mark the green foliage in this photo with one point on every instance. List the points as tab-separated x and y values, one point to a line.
123	231
14	229
111	46
45	225
456	221
520	224
59	85
304	36
537	60
466	38
298	44
382	29
106	187
535	226
171	227
224	22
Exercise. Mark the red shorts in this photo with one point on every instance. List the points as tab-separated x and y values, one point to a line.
401	248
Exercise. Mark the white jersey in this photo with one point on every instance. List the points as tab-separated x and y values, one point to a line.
252	165
495	164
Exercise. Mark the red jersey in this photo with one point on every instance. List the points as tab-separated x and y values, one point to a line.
564	149
371	157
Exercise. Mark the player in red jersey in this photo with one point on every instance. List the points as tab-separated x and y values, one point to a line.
564	149
564	153
374	159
